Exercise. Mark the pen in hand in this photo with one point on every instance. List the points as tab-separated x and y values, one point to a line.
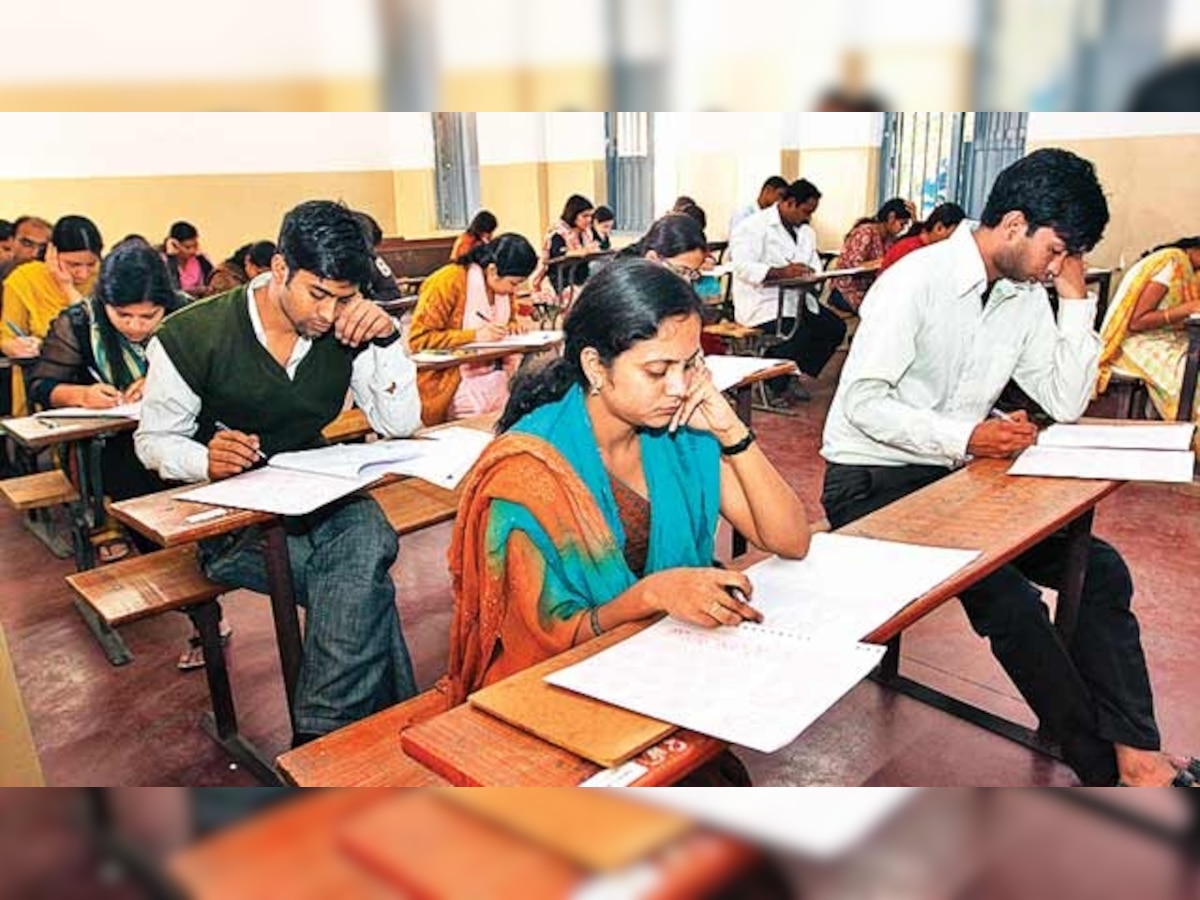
221	426
1001	414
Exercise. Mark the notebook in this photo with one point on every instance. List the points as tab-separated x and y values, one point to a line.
527	340
124	411
1158	452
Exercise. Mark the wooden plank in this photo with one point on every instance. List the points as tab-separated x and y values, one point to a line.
980	508
350	425
144	586
19	763
39	490
163	518
605	734
413	504
36	434
367	753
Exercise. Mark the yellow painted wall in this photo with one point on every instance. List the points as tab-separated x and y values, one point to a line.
228	210
848	180
344	95
415	204
516	193
711	179
551	88
1152	196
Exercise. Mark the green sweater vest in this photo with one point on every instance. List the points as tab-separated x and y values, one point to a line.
213	345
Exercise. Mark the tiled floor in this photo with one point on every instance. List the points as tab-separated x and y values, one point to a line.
95	724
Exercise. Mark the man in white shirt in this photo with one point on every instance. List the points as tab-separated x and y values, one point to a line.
261	370
942	333
779	243
768	195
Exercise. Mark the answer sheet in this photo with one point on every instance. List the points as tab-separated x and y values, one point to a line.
728	371
1170	466
1159	436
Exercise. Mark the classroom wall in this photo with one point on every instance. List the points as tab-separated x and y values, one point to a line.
1144	163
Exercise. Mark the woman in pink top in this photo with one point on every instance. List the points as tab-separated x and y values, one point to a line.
189	267
866	244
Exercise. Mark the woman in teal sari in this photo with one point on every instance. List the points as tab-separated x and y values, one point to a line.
598	504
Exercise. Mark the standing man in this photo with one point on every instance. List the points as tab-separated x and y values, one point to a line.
775	243
261	370
942	333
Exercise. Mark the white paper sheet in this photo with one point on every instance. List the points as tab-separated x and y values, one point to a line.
730	370
351	460
124	411
280	491
748	685
1164	436
518	341
457	449
1170	466
846	586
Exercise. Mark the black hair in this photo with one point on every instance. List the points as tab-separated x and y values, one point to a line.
623	303
575	205
1175	88
682	202
801	190
72	234
673	234
183	231
1055	189
695	213
893	207
7	230
326	239
134	272
483	223
370	227
945	214
603	214
774	183
513	256
132	238
24	220
260	253
1183	243
238	256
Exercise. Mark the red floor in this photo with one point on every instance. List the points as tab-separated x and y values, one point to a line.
99	725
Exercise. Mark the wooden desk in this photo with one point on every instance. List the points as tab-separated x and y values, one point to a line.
301	849
982	508
461	356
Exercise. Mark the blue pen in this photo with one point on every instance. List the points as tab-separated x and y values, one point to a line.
15	329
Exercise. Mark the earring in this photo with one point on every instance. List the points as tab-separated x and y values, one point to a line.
595	388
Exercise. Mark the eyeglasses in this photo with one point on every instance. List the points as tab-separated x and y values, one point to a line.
687	273
31	244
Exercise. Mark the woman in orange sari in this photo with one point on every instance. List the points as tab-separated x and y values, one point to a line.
598	503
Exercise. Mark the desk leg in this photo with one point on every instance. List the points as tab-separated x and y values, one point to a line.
743	405
1079	542
221	724
283	608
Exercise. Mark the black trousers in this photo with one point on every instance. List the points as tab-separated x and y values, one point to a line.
813	344
1089	695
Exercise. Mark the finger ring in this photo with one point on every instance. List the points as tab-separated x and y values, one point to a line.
715	609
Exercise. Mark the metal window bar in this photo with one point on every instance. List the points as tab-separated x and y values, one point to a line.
456	160
630	169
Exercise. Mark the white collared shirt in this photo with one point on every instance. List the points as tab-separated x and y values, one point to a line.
758	244
383	382
929	359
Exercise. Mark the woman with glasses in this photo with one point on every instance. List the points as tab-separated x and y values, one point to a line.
35	293
598	503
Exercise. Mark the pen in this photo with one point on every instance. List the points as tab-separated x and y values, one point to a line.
221	426
95	375
482	316
16	329
1001	414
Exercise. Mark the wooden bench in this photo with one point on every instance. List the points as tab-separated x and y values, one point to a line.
367	753
38	491
412	260
413	504
170	580
350	425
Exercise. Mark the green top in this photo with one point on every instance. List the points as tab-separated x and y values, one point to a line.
214	348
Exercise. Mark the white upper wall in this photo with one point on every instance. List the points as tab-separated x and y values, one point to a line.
1046	126
831	130
74	145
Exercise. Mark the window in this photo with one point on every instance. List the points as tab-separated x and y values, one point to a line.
630	168
931	158
456	168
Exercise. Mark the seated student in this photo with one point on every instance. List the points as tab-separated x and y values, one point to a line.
37	291
483	226
866	244
1143	327
769	194
598	503
677	241
940	337
7	241
246	263
189	268
383	287
603	220
940	224
106	336
272	361
465	301
30	238
571	235
775	243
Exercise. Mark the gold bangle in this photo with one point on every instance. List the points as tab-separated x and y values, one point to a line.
1167	317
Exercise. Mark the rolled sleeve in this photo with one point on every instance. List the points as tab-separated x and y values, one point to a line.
163	440
384	385
1060	363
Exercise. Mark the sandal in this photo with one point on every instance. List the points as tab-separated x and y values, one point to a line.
193	657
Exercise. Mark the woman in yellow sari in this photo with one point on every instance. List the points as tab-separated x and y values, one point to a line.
35	293
1143	329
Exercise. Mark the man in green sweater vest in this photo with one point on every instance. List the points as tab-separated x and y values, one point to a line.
261	370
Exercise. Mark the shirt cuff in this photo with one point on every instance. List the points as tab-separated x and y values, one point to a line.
954	435
1076	314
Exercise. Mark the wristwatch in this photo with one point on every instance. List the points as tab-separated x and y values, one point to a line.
741	446
391	338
